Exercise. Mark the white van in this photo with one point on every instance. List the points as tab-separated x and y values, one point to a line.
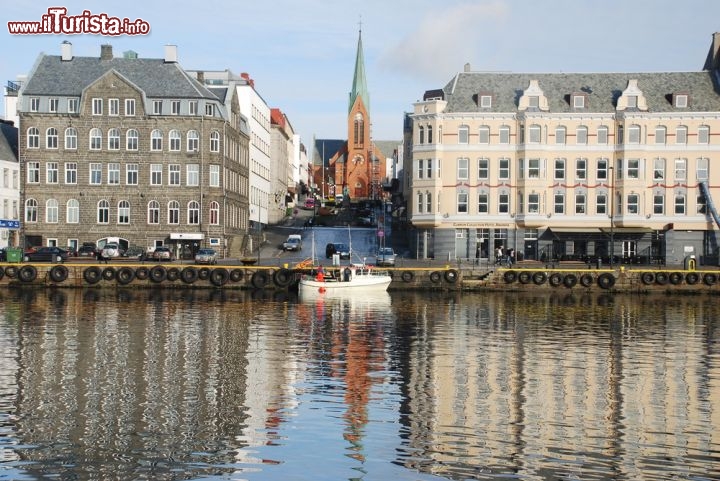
293	243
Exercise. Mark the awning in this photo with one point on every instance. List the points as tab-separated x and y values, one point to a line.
571	233
186	236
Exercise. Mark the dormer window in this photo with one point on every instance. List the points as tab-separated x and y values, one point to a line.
632	101
533	98
485	101
534	101
578	101
680	101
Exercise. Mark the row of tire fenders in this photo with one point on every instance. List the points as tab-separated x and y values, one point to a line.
217	276
605	280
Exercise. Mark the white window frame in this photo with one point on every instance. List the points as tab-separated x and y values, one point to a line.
97	106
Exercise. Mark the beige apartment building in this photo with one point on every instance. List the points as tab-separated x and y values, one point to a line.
568	166
132	150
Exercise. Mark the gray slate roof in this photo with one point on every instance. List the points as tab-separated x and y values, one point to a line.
8	142
603	89
157	78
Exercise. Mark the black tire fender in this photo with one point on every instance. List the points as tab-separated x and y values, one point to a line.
509	277
451	276
92	275
236	275
189	275
710	279
173	274
125	275
407	276
675	278
606	280
204	273
586	280
259	279
570	280
524	277
539	278
219	276
27	273
2	272
142	273
58	273
435	277
647	278
158	274
661	278
692	278
282	277
108	273
11	272
556	279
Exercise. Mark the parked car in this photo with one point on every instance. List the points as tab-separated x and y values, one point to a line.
46	254
135	252
88	249
293	243
310	203
111	250
337	248
163	253
385	257
206	256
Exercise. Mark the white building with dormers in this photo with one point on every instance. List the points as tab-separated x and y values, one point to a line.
568	166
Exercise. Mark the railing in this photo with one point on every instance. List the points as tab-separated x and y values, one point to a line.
13	86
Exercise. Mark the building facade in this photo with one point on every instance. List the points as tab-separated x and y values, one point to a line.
132	150
568	166
9	185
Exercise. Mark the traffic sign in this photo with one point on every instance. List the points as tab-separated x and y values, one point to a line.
9	224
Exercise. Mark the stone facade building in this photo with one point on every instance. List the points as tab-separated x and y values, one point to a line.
568	166
133	150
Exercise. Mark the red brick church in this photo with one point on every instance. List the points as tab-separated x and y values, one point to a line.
356	167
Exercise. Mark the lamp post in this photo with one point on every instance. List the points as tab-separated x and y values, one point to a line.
611	169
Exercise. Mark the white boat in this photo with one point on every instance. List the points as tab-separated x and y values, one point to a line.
346	279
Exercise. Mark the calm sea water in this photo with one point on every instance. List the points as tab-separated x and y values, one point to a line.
161	385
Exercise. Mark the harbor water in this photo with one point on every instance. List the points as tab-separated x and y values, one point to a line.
170	384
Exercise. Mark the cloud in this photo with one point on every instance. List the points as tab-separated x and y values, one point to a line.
445	40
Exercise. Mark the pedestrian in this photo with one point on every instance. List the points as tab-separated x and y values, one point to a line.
511	257
498	254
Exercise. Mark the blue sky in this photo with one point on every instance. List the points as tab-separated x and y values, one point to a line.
301	53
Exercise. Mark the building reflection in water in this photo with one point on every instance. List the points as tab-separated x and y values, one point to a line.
144	384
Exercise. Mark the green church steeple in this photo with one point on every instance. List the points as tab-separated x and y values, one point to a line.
359	88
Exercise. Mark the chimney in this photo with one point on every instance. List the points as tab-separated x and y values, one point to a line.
170	53
250	81
467	67
201	77
66	51
106	52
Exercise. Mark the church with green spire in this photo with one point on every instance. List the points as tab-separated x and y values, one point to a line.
357	166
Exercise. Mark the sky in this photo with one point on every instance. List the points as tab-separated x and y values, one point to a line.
301	53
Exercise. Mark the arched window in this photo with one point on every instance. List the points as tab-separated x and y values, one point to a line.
193	141
33	138
153	212
174	139
71	138
72	212
193	212
173	212
215	141
51	211
95	139
214	213
103	212
31	210
156	140
51	138
131	140
114	139
123	214
359	126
